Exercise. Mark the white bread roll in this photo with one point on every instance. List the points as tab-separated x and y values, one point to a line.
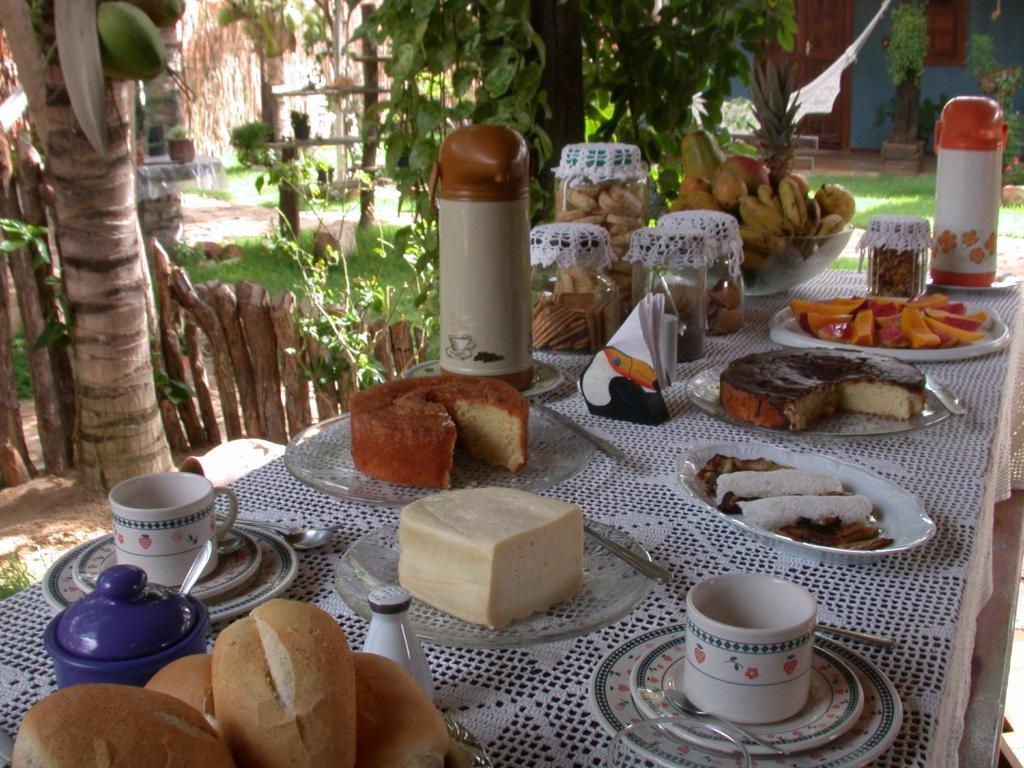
284	687
188	679
398	726
116	726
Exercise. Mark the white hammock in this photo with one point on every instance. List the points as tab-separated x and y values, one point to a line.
818	96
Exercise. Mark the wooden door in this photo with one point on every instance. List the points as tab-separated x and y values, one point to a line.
825	31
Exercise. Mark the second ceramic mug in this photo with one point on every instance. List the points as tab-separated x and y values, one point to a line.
162	520
749	646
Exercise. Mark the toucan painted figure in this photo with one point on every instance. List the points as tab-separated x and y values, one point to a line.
618	386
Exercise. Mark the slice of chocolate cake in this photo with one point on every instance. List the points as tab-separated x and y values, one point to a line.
790	389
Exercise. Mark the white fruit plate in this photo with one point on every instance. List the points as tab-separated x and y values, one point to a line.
786	330
900	514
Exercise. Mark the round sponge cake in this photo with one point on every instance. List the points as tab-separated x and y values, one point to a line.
405	431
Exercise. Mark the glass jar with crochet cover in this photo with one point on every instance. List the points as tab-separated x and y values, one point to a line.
897	250
677	262
575	305
606	185
725	291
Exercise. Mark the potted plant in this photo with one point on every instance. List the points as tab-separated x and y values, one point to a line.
300	125
180	146
908	45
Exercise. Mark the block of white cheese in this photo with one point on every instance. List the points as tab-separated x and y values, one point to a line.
780	482
491	555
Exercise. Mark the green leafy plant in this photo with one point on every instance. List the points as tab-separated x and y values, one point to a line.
993	78
270	24
645	65
908	43
178	133
251	143
453	62
14	576
17	234
931	109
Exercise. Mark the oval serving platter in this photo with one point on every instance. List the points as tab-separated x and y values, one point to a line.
900	514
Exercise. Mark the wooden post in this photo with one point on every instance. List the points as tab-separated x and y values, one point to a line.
325	393
381	340
35	199
288	199
205	315
254	311
402	345
224	301
194	350
296	388
371	81
170	344
15	462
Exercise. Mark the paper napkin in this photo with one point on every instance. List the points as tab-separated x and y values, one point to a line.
624	380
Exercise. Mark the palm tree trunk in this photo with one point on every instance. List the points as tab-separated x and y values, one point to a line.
120	431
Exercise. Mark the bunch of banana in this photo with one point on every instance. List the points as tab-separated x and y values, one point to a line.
788	211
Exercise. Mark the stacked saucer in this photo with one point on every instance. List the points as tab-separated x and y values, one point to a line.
852	715
262	568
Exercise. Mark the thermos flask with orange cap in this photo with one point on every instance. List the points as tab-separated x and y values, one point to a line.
481	187
969	140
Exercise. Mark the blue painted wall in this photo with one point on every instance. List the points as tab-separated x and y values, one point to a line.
872	87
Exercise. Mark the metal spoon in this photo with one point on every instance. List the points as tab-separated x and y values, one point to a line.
299	538
682	704
197	568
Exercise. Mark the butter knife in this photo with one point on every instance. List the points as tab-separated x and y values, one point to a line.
946	396
599	442
639	562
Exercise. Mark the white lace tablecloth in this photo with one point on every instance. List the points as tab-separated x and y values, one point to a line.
529	705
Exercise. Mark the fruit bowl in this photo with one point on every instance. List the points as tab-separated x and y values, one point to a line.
797	262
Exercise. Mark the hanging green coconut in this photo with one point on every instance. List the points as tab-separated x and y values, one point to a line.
164	13
130	44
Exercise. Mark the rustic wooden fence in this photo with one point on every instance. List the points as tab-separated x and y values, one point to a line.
260	359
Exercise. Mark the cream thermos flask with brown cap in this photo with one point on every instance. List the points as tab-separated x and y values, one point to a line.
481	188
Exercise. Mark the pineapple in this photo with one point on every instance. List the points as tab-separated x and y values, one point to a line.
772	88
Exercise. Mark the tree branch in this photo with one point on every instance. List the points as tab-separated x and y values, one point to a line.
16	19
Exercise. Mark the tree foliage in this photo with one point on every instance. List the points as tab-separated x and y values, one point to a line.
908	43
644	66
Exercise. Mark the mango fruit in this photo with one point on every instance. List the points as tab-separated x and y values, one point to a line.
130	44
163	13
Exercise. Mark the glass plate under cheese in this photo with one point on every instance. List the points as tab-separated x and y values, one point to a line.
491	556
611	588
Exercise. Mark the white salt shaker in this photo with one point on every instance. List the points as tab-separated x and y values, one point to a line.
391	634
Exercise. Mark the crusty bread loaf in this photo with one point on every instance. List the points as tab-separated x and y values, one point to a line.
398	726
284	687
116	726
188	679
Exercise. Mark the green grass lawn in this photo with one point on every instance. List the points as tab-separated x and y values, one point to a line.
906	195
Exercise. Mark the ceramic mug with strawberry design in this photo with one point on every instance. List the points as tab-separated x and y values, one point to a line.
749	646
162	520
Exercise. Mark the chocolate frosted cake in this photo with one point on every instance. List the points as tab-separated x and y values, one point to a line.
791	390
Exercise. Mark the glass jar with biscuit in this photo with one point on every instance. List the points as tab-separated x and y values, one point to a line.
575	305
677	262
897	249
606	184
724	305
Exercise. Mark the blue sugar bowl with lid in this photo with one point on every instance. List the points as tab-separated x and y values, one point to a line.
125	631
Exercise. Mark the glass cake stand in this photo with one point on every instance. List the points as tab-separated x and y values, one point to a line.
320	456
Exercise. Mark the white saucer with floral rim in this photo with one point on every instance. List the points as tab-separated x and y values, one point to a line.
278	568
833	706
232	571
614	707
